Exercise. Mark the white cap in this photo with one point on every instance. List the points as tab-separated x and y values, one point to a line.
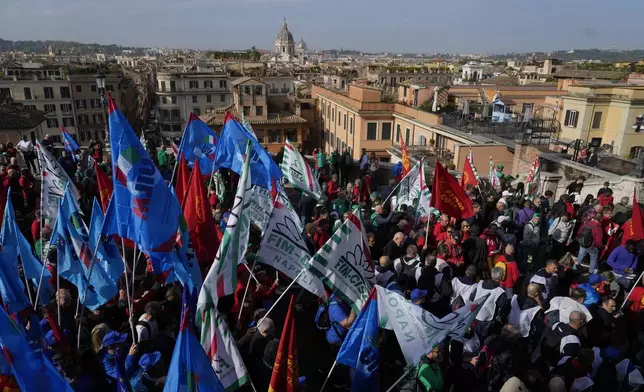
506	193
501	219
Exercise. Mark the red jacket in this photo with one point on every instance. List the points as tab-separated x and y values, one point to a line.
598	234
605	200
332	190
511	272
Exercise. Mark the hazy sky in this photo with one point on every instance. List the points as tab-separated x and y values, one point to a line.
371	25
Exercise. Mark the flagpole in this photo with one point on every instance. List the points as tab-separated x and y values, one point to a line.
212	173
57	288
135	258
245	292
280	297
328	376
44	264
176	161
127	293
400	379
392	192
89	280
639	279
27	287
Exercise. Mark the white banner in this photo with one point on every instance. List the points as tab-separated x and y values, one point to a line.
417	330
425	196
409	188
54	179
283	247
298	172
344	263
222	351
261	204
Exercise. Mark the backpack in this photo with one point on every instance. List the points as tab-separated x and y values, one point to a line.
586	237
322	320
503	266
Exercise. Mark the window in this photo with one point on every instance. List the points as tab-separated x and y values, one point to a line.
259	90
385	131
52	123
338	143
194	84
328	110
407	134
5	91
55	139
164	99
351	125
287	106
344	147
85	135
96	103
176	128
163	86
93	88
274	136
68	121
109	87
372	131
167	128
195	99
64	92
207	84
79	88
222	98
259	110
339	117
247	90
97	118
333	114
246	110
208	98
174	100
571	118
173	86
27	93
165	114
323	136
83	119
50	108
397	133
30	107
197	111
223	84
81	104
291	134
66	107
175	114
323	109
597	120
422	140
332	139
345	121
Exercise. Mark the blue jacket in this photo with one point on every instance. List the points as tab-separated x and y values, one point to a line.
141	383
592	295
109	366
621	258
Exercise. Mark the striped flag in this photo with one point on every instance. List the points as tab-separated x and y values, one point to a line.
405	157
494	179
175	149
534	179
298	172
221	349
222	277
476	173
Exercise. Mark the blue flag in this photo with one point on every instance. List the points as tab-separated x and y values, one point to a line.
70	144
107	254
190	368
146	211
11	288
231	149
32	370
360	348
8	235
198	142
122	383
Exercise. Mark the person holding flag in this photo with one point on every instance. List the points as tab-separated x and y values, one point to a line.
70	144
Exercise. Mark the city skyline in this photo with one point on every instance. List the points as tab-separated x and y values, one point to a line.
366	25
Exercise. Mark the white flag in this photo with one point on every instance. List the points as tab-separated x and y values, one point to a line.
417	330
298	172
261	204
423	208
54	179
409	190
222	276
344	263
283	247
222	351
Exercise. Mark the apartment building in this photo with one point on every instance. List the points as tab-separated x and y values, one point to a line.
605	115
198	89
69	96
268	115
389	77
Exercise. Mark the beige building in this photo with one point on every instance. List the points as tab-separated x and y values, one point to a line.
605	115
69	97
198	90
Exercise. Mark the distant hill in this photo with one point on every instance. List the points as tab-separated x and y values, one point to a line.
68	47
607	56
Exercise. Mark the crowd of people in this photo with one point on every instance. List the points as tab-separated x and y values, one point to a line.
551	321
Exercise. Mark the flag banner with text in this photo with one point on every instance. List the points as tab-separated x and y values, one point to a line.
283	247
54	180
409	189
298	172
261	204
344	263
417	330
448	196
424	198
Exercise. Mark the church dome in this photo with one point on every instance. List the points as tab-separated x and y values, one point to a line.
285	36
301	45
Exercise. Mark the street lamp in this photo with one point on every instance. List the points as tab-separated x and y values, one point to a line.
100	84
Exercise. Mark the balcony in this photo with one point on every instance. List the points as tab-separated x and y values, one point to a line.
285	90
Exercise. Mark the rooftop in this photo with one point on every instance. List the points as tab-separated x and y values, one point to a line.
217	118
16	117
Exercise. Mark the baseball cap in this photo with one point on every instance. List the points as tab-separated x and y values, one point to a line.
417	294
111	338
149	360
595	278
267	326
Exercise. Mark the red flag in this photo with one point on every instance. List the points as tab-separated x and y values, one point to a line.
60	337
634	228
448	197
105	187
468	177
201	224
406	164
285	370
183	176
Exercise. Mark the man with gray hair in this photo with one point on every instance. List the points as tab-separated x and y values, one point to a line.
621	210
407	264
494	311
564	339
